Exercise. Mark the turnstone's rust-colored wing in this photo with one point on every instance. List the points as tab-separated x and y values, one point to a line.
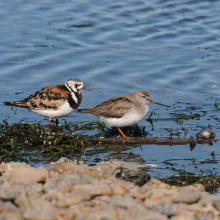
50	97
115	107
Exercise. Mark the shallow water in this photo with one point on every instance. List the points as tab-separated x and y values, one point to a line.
169	48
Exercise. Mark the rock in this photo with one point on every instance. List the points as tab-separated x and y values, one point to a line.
139	213
205	199
118	190
200	187
196	207
186	195
203	217
28	175
22	173
157	193
49	185
100	171
7	193
183	217
67	167
104	170
164	208
63	187
8	207
179	208
11	216
216	202
123	201
68	213
34	214
34	189
23	201
156	182
90	190
148	215
150	203
93	193
65	200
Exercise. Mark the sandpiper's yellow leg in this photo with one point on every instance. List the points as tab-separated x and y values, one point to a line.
122	134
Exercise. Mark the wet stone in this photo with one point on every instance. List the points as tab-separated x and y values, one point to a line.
205	199
187	195
183	217
164	208
123	201
49	185
216	202
82	194
7	193
22	201
40	215
8	207
11	216
22	173
200	187
149	215
91	191
65	200
203	217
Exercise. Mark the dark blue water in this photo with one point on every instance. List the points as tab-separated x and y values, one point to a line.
170	48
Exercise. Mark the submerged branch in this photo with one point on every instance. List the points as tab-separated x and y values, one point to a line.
152	140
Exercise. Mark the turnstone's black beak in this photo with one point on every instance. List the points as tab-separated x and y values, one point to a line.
151	101
85	88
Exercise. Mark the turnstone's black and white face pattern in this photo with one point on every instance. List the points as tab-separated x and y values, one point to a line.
54	101
123	110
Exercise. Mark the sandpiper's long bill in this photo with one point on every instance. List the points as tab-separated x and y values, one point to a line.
54	101
123	110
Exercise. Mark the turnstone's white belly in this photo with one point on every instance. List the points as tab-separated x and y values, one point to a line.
63	111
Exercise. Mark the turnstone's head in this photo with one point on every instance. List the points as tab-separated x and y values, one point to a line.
75	85
144	97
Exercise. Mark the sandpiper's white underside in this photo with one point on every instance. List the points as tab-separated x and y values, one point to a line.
131	118
63	111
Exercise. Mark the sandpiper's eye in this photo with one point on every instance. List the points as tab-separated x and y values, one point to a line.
77	85
144	96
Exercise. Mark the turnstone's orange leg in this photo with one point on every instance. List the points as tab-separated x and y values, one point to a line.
57	122
49	122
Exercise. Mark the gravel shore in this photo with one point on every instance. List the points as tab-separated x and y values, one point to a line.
66	191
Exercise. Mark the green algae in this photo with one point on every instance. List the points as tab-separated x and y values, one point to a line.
37	142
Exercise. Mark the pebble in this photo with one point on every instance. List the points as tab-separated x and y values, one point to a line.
7	193
187	195
11	216
164	208
67	191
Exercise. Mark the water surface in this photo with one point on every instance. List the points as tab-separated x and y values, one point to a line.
170	48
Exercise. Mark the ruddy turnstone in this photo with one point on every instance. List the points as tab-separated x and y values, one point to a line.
123	110
54	101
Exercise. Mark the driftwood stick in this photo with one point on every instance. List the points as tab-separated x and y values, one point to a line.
153	140
158	141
